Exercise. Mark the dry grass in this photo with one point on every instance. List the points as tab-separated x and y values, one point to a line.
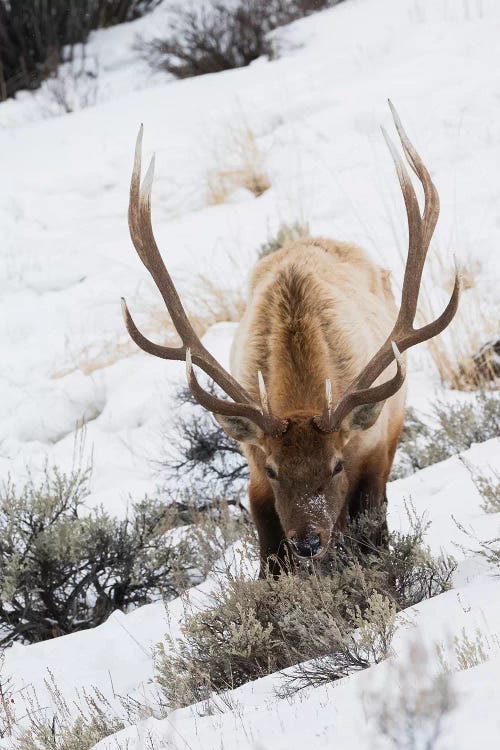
239	164
78	725
207	304
96	356
7	703
453	351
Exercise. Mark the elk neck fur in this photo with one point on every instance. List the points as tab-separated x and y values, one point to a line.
317	309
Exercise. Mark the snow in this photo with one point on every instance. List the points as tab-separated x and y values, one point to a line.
67	259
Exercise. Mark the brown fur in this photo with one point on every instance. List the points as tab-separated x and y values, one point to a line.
316	309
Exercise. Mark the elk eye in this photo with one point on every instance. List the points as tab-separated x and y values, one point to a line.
337	468
271	473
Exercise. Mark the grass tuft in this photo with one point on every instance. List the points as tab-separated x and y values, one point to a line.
240	164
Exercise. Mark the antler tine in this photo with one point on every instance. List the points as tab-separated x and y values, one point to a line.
264	398
165	352
272	426
141	232
364	396
416	248
324	421
403	334
431	195
422	235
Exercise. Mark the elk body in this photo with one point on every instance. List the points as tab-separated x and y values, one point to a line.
317	386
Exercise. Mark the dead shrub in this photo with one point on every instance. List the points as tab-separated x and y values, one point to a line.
36	36
212	36
7	705
211	524
201	453
73	86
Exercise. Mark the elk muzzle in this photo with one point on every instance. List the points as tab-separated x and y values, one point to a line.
309	543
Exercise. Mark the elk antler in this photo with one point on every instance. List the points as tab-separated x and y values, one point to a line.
192	350
403	335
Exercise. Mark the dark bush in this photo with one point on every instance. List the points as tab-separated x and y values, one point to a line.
64	568
212	36
37	35
202	452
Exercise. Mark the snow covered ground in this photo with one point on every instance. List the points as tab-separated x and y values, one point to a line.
67	259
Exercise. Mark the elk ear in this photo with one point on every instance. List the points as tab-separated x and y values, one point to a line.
240	428
363	417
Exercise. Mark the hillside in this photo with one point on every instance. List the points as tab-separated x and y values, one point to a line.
309	121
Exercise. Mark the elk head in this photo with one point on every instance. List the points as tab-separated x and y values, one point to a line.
302	454
303	458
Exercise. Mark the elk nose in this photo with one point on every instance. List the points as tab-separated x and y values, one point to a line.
308	546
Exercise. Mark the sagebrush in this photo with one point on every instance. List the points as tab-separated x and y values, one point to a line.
488	485
411	708
457	427
64	567
260	627
76	726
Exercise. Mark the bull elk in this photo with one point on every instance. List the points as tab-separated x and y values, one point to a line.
318	426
